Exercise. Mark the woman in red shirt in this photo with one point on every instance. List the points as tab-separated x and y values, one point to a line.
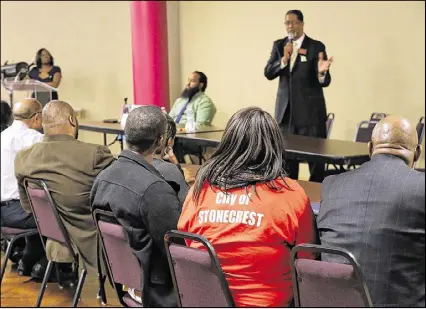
252	213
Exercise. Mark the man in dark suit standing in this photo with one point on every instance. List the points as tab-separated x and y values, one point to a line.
302	65
377	212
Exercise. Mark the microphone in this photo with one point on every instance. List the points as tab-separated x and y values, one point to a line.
290	37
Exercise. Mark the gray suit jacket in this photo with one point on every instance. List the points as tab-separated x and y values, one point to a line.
69	168
377	212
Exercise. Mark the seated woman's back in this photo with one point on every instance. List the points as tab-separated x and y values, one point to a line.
258	218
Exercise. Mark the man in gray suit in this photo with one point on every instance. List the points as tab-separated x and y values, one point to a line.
377	212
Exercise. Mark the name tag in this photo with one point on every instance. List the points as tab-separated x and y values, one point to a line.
303	58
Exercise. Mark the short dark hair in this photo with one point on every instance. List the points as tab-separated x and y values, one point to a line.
251	152
203	79
144	127
6	115
298	14
38	57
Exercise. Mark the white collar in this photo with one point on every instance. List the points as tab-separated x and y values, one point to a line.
19	124
299	41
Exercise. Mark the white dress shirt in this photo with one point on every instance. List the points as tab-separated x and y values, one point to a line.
13	139
296	46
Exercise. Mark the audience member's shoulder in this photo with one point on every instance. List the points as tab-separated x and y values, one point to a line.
292	186
164	165
418	175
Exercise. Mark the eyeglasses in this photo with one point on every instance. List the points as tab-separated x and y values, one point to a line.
292	22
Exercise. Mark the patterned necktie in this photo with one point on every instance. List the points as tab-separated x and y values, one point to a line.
294	55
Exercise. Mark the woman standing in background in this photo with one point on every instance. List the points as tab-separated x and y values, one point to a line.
45	71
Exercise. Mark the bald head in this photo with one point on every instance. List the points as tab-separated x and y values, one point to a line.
26	108
59	118
396	136
28	111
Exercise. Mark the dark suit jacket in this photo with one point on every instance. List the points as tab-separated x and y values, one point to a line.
147	207
308	103
69	168
377	212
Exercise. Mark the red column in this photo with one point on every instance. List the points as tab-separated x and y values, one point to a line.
150	53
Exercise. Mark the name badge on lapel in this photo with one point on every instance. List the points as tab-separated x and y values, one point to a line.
303	58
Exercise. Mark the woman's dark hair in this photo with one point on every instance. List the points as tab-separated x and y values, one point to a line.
6	115
298	14
251	151
203	79
38	57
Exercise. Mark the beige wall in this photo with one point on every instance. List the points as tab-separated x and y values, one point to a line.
90	41
372	71
230	42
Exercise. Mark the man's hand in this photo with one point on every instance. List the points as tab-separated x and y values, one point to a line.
323	65
288	50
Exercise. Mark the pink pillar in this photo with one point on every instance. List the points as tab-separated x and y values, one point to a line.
150	53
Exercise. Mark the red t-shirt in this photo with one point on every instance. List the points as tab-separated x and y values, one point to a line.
252	236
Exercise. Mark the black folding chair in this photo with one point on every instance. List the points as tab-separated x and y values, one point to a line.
329	124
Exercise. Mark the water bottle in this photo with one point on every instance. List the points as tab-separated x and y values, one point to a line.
190	123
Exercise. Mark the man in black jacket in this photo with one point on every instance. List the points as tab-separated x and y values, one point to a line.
143	202
377	212
303	68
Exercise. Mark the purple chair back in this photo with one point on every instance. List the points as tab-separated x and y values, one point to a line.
420	128
364	131
329	124
197	276
124	265
326	284
49	223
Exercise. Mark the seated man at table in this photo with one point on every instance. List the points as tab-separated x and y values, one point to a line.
170	169
21	134
194	98
377	212
251	212
68	167
143	202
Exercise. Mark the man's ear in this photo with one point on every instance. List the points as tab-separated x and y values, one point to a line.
201	85
417	153
73	121
370	148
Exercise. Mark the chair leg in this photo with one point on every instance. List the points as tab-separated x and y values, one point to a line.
79	288
58	276
102	293
6	257
44	283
